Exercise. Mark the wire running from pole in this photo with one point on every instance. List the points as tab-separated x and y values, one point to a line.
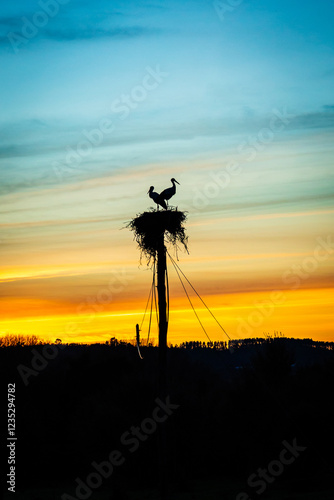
153	293
155	300
149	296
185	290
198	295
167	282
150	321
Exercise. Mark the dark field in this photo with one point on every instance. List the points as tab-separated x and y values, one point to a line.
255	422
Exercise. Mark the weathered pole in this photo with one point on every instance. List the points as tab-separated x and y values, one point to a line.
150	229
162	369
163	325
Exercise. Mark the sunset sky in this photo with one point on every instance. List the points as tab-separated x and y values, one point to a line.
100	100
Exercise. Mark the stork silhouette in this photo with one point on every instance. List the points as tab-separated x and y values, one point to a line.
156	198
166	194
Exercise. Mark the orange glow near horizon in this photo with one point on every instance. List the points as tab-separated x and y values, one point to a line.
75	276
295	313
249	140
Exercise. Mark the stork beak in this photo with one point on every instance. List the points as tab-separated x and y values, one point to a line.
177	182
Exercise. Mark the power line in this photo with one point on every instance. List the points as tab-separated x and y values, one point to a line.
167	282
184	288
150	321
153	293
198	295
149	295
155	301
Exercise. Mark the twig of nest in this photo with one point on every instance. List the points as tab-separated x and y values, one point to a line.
149	226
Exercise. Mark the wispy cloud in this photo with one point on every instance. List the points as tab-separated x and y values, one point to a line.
93	33
9	23
328	107
320	119
67	29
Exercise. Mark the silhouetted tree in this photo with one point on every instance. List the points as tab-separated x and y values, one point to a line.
17	339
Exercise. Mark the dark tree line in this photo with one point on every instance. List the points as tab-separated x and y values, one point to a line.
236	407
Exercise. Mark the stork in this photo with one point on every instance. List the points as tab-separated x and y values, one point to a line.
166	194
156	198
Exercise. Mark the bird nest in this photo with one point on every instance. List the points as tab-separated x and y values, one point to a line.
149	226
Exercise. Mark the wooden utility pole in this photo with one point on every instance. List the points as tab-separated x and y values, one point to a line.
163	325
162	377
150	229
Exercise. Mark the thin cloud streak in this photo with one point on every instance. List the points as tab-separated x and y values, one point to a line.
93	33
262	216
212	127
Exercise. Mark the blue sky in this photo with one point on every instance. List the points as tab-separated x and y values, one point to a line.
260	56
225	78
180	90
